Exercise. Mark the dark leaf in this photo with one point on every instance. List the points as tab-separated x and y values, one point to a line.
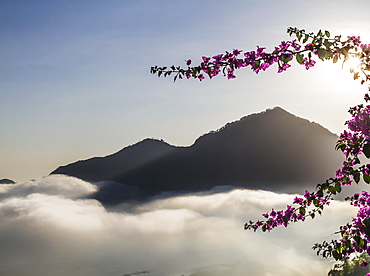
356	176
321	53
366	178
316	202
338	187
366	150
299	58
332	190
337	256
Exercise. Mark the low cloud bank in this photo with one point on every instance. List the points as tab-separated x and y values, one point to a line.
48	229
68	187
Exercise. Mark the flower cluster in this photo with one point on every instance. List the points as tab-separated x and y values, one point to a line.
303	49
360	123
228	62
355	236
292	214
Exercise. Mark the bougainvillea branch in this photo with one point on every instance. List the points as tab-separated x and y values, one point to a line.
304	48
354	142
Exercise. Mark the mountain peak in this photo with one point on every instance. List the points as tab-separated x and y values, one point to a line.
272	150
276	109
270	119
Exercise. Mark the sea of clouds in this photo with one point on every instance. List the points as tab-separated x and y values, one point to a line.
48	228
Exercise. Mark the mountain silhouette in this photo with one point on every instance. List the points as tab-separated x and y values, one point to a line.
6	181
273	150
108	167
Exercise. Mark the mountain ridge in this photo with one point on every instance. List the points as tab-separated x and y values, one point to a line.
272	150
95	168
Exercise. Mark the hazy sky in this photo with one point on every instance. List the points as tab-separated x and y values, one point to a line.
75	82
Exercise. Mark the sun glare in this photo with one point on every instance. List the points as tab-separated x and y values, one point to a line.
353	62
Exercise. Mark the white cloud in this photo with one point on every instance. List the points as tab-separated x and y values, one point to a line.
66	186
42	233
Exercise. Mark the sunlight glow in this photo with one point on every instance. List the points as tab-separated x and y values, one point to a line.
353	63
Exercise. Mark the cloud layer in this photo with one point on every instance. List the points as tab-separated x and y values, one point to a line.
47	229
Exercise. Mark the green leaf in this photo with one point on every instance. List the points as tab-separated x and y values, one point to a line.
366	150
332	190
316	202
341	146
306	37
356	176
302	211
327	43
357	239
362	243
366	178
327	33
335	59
299	58
328	55
299	36
312	215
337	256
325	185
338	187
285	58
321	53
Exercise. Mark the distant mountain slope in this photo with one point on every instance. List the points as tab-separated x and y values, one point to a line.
6	181
108	167
272	150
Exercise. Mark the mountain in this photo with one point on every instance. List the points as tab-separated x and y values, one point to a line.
273	150
6	181
108	167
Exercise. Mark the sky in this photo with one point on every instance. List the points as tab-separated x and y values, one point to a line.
75	81
182	235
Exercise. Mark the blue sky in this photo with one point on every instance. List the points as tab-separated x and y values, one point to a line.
75	82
